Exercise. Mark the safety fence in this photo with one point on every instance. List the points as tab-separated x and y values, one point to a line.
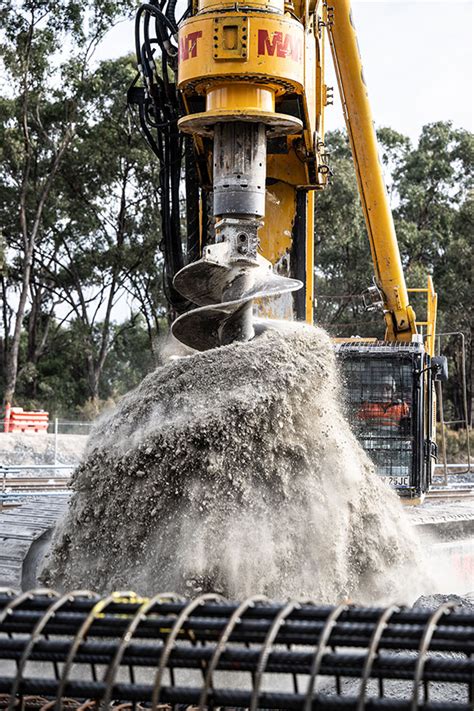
464	422
31	422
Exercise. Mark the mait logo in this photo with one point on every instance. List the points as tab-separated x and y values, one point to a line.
279	44
188	46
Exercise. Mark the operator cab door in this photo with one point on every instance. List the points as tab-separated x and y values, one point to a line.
385	390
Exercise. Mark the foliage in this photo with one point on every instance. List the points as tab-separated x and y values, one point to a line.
456	444
78	193
106	240
43	99
58	382
342	254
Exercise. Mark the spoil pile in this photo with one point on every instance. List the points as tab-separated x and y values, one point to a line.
234	470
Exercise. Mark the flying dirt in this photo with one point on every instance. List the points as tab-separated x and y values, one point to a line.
234	470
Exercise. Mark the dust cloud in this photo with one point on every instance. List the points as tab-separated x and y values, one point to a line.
234	470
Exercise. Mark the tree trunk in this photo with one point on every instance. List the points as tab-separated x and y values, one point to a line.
29	240
14	350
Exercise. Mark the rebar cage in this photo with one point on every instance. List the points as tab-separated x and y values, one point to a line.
384	403
81	651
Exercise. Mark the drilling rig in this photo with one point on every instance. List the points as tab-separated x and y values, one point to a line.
233	97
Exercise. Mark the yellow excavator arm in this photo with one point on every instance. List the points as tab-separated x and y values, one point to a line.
389	276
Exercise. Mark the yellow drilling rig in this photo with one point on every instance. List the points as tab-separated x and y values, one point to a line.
231	98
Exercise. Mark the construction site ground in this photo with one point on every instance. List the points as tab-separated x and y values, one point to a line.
34	499
38	448
28	518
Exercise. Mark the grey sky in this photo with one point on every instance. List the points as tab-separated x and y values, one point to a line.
418	61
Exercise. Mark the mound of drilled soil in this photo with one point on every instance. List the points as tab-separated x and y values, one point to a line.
234	470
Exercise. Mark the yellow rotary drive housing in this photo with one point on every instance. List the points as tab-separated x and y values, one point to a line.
241	62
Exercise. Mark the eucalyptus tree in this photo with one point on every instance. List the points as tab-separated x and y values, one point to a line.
46	48
434	221
106	240
343	267
430	187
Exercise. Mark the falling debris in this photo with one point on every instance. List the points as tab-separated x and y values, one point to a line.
235	470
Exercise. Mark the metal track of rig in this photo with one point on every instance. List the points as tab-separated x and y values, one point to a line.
17	484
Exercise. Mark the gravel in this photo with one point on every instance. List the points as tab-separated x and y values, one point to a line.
235	470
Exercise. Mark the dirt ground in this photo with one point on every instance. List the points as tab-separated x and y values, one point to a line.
19	448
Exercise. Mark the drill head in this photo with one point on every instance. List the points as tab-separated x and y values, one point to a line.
231	273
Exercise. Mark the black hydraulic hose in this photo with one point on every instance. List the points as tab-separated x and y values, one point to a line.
192	201
160	111
161	149
138	51
185	14
155	147
167	105
170	187
162	37
171	12
154	10
147	52
175	165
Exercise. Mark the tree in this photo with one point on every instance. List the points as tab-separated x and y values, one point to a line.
38	118
342	254
106	240
58	383
434	225
103	240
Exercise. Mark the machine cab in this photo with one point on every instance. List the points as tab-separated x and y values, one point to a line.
389	404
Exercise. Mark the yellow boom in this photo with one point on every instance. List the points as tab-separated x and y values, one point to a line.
399	315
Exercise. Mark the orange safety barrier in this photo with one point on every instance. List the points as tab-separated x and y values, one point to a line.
18	420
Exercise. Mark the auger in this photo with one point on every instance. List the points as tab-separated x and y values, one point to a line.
231	275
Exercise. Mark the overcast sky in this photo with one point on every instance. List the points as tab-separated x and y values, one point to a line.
418	61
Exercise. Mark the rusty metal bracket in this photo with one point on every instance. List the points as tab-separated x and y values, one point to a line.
230	38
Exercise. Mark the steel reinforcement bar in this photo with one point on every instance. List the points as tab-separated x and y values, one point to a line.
79	650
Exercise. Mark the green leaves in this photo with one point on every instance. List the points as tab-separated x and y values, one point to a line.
342	254
73	196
